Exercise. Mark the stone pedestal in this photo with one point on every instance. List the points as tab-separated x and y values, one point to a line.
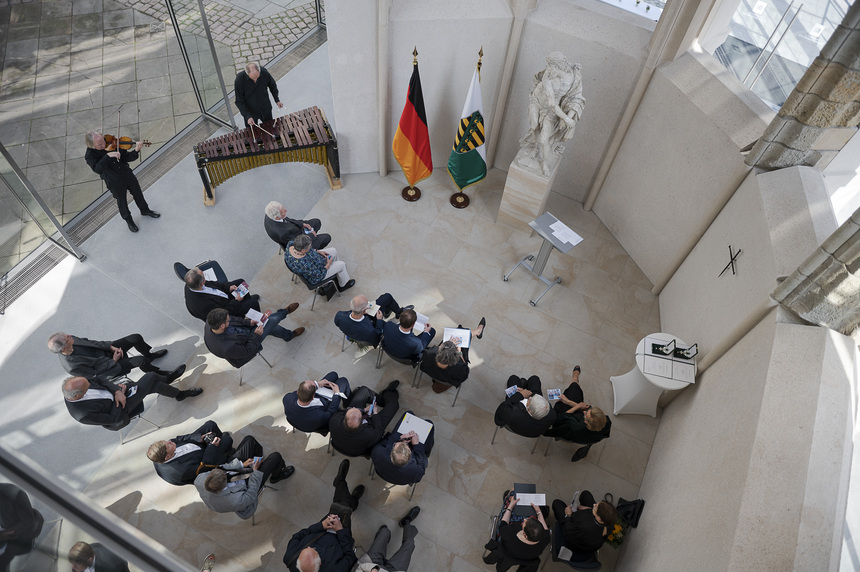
526	191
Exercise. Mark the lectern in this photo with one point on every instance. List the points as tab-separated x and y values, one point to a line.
555	234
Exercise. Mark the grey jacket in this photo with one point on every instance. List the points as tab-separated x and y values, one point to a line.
239	497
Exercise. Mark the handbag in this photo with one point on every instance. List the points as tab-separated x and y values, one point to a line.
630	511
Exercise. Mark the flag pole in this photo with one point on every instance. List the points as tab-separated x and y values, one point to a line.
460	200
410	193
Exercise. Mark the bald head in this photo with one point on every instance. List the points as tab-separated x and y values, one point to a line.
352	419
358	305
75	387
309	560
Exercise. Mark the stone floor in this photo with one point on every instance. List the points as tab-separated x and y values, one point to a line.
448	263
68	66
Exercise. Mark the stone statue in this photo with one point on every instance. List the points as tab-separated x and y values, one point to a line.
555	106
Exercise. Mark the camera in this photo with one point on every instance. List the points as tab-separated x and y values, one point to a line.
208	438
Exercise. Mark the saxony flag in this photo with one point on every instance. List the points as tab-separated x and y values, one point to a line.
468	162
411	144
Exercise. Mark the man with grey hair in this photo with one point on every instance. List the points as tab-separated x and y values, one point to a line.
92	405
283	229
202	296
526	412
100	362
364	328
251	98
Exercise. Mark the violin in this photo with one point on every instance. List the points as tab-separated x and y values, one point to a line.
112	143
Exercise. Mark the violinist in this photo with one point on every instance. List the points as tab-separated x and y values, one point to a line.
251	96
110	160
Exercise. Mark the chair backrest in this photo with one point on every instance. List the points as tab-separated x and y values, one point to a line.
413	362
590	563
122	424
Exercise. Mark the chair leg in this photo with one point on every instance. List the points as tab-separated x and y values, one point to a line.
456	395
549	443
494	435
343	344
315	300
418	381
535	447
371	473
329	446
264	359
379	357
241	372
415	484
122	440
414	377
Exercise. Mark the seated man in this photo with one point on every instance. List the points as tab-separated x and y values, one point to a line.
401	459
578	421
92	405
100	362
356	430
309	412
96	558
375	560
526	412
282	229
20	524
586	526
221	490
360	327
399	340
179	460
202	296
313	549
239	340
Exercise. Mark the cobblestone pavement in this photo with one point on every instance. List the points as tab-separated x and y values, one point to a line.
68	66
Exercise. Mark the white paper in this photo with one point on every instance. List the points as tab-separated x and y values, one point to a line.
372	309
537	499
324	392
254	315
564	234
209	274
464	335
553	394
684	372
412	423
420	321
657	366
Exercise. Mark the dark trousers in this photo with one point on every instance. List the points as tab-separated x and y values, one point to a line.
129	363
122	199
341	382
532	383
342	495
273	329
250	448
320	240
387	304
400	559
149	383
574	393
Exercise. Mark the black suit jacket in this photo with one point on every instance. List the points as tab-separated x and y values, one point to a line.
336	551
237	348
361	441
107	561
17	514
199	304
290	228
98	369
102	412
513	413
183	470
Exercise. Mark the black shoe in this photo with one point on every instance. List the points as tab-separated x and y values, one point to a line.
397	314
189	393
483	322
346	286
580	454
156	355
131	226
357	492
150	213
393	385
285	473
341	472
410	516
176	374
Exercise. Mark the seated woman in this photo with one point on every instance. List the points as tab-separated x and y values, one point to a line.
316	265
526	541
448	363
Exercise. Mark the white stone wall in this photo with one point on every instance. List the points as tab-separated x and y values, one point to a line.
677	159
611	45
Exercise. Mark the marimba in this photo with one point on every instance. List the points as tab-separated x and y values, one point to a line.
304	136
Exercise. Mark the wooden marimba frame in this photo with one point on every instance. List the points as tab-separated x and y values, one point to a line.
304	136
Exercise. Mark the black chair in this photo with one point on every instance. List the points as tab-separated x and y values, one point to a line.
181	270
332	447
582	452
577	561
413	363
493	553
493	440
420	374
120	425
315	286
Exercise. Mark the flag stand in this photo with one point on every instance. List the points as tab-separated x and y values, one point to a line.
459	200
411	194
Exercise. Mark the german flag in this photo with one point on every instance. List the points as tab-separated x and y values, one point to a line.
411	144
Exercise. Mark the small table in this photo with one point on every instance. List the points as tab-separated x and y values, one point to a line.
639	390
555	234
